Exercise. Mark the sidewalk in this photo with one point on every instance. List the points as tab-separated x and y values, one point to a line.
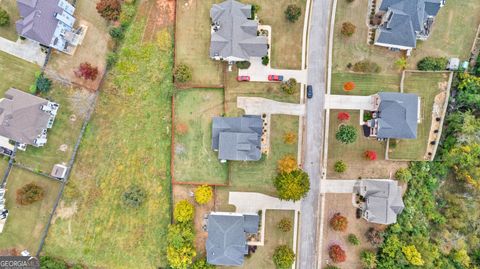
23	49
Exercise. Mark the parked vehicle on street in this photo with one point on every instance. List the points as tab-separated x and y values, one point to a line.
243	78
275	77
309	91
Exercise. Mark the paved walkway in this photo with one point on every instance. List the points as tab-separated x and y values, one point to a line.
23	49
348	102
259	106
252	202
260	72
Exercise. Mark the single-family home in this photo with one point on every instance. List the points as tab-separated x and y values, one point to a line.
3	210
49	23
234	33
383	201
406	21
237	139
25	118
227	237
394	115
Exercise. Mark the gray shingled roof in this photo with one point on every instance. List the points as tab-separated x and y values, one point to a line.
397	115
237	139
21	117
226	243
39	22
236	35
383	200
408	18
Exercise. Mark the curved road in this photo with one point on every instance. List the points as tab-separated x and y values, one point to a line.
317	67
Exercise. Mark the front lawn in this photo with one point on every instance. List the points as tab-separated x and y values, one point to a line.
427	86
74	105
15	73
365	84
26	223
126	143
9	31
195	161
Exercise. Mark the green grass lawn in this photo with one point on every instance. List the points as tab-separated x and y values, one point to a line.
9	31
453	32
274	237
286	36
74	104
426	86
126	143
193	41
26	223
258	176
365	84
195	161
16	73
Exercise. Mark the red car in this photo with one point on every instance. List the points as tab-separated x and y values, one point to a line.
243	78
275	77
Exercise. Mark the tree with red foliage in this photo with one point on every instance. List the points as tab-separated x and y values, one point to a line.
109	9
343	116
371	155
337	254
86	71
348	86
339	222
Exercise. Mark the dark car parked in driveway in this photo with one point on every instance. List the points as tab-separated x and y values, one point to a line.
275	77
309	91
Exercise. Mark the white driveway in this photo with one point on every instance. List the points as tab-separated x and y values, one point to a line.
353	102
259	106
260	72
338	185
23	49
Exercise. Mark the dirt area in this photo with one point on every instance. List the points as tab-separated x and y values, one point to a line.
64	212
181	192
342	203
438	107
159	14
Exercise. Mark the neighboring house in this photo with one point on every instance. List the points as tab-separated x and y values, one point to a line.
237	139
25	118
383	201
234	33
227	237
405	21
3	210
394	115
49	22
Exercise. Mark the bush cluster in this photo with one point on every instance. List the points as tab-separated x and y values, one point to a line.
283	257
293	13
134	196
29	193
346	134
289	86
366	66
4	17
432	64
292	186
203	194
182	73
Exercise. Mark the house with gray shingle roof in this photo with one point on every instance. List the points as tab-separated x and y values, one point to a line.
25	118
234	33
48	22
406	21
227	237
237	139
395	115
383	201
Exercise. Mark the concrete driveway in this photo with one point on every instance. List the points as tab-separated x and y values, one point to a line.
259	106
24	49
352	102
338	185
260	72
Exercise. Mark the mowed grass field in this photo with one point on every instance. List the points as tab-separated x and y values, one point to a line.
195	161
262	258
127	143
26	223
426	86
286	47
9	31
365	84
74	105
192	45
16	73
